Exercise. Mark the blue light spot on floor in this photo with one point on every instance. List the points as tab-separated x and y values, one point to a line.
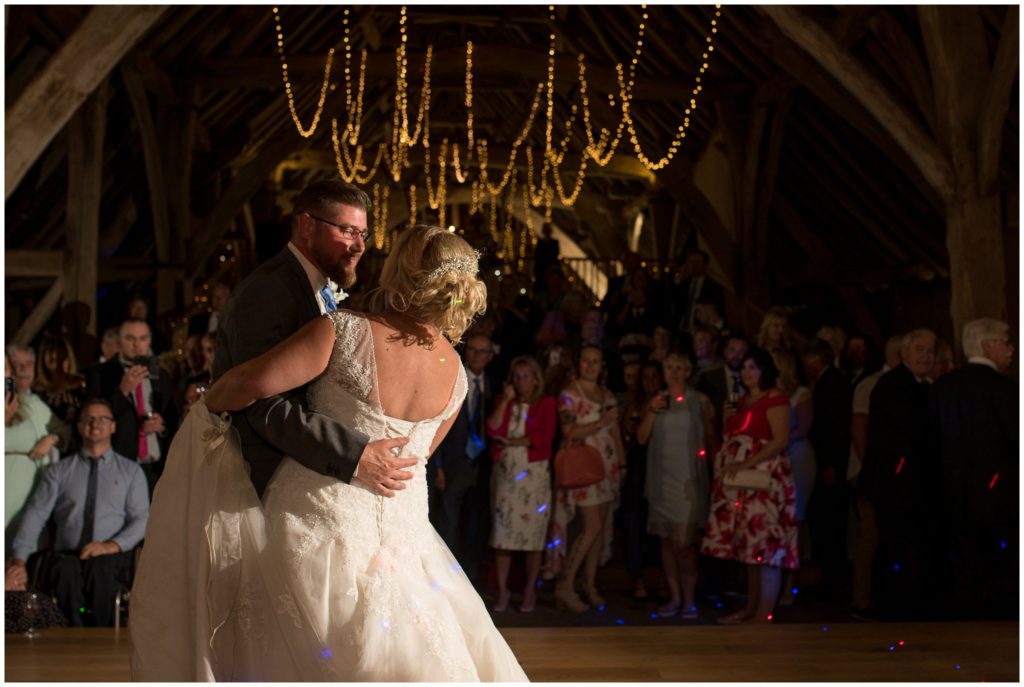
543	507
825	629
718	604
654	616
896	567
601	608
557	542
795	591
892	648
957	666
1002	544
620	621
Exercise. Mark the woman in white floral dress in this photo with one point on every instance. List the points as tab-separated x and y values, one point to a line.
589	413
522	429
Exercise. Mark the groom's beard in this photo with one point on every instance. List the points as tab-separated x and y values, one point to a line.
342	271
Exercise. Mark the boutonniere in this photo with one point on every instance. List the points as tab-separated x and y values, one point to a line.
339	293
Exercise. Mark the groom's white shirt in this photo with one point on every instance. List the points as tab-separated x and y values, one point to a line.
317	279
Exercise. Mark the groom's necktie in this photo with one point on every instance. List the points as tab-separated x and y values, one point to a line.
330	305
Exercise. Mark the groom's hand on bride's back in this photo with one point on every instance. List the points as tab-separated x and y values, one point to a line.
382	469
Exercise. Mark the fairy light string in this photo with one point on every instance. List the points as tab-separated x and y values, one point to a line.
470	162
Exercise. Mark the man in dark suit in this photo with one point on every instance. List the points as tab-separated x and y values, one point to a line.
141	398
463	465
902	476
975	411
692	285
830	437
723	382
328	238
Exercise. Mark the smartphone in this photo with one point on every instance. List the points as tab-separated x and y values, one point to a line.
151	363
9	384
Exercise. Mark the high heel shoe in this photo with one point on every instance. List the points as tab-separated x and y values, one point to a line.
567	599
594	598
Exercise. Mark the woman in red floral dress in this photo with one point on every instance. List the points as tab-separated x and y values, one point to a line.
755	526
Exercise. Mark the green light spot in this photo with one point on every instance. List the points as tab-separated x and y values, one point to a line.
82	609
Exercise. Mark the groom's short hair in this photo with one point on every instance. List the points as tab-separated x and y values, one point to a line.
318	197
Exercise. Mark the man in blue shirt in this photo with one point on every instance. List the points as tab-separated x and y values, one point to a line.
100	502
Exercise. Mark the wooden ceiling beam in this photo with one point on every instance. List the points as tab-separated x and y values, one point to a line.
50	100
996	101
933	164
851	295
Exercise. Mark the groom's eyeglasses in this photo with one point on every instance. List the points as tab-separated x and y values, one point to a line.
345	230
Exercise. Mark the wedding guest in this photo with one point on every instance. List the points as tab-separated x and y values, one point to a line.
673	428
691	285
522	431
977	425
100	503
57	380
142	402
633	508
943	364
705	348
558	368
28	438
756	527
774	332
830	437
866	540
799	451
662	341
207	322
903	478
109	344
707	313
726	382
855	360
463	479
836	339
588	413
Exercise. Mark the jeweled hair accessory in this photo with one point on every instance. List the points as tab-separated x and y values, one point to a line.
462	265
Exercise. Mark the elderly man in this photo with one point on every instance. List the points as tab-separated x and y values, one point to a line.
100	503
975	410
142	402
901	476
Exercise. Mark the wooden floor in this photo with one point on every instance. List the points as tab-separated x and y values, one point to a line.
944	652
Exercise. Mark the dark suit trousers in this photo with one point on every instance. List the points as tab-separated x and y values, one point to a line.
826	521
985	569
90	585
465	516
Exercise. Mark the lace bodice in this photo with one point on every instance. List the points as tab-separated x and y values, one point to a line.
348	392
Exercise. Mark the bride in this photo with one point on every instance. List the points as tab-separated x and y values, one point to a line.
324	580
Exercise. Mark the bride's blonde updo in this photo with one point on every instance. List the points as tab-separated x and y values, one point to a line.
431	275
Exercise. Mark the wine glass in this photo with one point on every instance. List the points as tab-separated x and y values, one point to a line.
33	609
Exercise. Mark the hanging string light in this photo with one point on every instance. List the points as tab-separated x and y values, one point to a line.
540	187
304	132
380	215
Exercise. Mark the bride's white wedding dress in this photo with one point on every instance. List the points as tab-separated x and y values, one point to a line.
325	580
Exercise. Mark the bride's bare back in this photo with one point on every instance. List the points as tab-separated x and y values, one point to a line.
416	368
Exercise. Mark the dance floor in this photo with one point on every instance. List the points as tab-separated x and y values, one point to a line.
850	652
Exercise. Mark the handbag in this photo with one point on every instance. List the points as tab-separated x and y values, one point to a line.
578	465
758	480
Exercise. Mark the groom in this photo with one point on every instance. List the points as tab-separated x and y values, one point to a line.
328	238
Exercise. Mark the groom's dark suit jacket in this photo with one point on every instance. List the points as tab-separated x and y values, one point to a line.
270	305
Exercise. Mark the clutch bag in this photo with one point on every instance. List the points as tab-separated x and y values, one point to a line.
759	480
